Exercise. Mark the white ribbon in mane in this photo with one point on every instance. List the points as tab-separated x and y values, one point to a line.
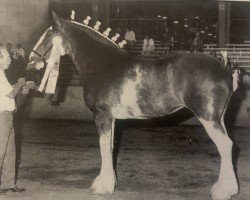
52	71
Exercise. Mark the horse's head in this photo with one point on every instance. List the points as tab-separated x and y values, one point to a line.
41	53
84	44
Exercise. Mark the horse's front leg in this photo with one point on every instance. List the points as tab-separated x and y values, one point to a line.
104	183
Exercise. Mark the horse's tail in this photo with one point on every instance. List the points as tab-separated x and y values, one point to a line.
232	71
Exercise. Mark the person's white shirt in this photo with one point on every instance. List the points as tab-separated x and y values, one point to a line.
6	103
130	36
148	46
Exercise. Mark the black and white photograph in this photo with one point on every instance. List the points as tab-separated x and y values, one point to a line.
125	99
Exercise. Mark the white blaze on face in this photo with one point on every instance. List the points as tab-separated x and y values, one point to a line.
128	100
39	42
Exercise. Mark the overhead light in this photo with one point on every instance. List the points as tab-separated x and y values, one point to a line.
210	34
197	17
185	19
164	17
202	31
214	25
176	22
185	25
206	27
159	16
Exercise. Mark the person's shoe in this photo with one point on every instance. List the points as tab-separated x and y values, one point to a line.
15	189
2	192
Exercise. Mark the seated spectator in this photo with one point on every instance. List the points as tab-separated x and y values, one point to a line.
148	45
10	50
130	36
19	51
197	43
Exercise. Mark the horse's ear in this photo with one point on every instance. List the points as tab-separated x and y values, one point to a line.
57	25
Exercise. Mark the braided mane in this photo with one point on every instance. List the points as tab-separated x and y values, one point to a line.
96	35
91	29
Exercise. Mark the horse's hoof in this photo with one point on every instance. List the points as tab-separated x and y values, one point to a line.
224	190
103	185
99	191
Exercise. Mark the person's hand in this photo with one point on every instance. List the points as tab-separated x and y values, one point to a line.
30	84
25	90
21	82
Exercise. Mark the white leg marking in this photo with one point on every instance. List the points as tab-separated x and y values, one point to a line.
227	185
105	182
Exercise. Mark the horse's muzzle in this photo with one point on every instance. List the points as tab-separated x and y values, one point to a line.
36	65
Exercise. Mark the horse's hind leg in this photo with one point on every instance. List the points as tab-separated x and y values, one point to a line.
227	185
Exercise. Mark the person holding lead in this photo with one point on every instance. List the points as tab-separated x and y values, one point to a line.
7	133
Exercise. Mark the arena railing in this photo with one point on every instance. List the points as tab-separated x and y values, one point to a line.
236	53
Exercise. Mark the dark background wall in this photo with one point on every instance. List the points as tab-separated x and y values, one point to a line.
23	21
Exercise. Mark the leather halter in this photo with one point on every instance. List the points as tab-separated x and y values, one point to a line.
45	53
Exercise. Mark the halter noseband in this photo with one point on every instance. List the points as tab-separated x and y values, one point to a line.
43	56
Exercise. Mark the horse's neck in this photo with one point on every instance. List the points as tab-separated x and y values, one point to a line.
89	54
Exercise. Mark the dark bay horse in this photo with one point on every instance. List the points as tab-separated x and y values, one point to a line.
118	87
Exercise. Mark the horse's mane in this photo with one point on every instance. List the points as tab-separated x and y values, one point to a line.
95	35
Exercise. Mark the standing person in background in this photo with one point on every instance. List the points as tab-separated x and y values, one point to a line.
7	133
10	50
148	45
166	37
19	51
197	43
130	36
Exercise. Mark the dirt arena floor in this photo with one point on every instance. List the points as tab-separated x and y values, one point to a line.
59	160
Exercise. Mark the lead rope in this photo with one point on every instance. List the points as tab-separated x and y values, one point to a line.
52	70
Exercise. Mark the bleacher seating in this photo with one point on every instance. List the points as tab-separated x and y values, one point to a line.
237	53
136	50
238	45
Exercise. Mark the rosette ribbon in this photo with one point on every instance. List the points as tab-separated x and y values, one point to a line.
52	71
